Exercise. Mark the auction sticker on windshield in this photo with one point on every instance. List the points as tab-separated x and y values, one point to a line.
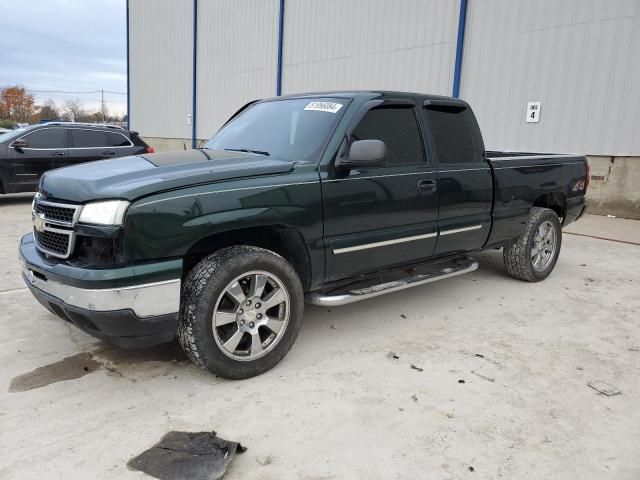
330	107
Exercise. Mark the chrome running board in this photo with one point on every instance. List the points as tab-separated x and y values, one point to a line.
389	282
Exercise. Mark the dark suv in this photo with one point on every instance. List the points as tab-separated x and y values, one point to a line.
27	153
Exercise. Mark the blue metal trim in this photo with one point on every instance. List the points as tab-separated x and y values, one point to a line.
195	74
280	44
462	20
128	82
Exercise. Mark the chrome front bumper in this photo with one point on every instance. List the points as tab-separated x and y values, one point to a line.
146	300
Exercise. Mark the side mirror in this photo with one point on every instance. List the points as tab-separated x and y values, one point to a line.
19	144
365	153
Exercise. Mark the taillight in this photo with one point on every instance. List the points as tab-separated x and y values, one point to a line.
151	150
586	183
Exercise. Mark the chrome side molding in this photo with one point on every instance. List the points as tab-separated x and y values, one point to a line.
460	230
383	243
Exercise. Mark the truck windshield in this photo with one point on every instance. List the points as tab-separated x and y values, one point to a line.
294	129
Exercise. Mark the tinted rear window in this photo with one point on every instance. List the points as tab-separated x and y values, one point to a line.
88	139
136	140
455	134
117	140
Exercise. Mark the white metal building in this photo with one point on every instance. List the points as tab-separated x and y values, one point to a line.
193	63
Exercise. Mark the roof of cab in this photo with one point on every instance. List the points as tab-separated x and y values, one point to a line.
369	93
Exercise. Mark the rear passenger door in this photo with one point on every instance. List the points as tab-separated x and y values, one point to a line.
465	184
381	216
87	145
93	144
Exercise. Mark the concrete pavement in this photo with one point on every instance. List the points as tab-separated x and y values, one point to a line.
503	392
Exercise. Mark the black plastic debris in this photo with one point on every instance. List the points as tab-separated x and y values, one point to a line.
187	455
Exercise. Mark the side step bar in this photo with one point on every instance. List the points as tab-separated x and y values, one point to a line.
412	277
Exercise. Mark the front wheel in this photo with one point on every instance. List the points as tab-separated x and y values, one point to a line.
241	311
533	255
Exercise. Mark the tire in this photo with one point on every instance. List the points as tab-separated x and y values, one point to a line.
519	255
226	344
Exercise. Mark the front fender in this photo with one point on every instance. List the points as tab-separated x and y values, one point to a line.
166	225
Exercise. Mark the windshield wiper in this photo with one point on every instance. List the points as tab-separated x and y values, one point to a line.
246	150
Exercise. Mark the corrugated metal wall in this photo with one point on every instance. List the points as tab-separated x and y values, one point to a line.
580	58
369	44
237	57
160	52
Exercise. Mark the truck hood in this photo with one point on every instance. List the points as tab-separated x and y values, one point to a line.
137	176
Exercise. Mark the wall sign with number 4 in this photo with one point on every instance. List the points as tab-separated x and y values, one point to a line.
533	112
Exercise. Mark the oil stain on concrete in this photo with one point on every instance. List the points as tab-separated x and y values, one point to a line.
68	368
117	361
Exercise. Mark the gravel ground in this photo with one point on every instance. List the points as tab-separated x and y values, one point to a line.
500	390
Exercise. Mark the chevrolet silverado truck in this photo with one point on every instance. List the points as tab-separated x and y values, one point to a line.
326	198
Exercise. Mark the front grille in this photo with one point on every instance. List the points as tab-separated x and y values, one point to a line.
55	213
60	213
53	226
54	242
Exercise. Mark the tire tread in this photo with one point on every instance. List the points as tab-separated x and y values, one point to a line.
517	255
190	324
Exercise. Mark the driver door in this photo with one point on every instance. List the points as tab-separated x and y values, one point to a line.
382	216
45	147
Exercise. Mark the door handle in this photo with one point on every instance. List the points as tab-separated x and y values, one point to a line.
59	154
109	153
427	186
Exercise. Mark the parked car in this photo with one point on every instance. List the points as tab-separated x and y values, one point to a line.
332	198
26	153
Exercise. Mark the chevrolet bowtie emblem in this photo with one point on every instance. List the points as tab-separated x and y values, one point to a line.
38	222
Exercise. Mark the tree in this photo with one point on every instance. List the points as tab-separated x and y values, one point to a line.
16	104
49	111
95	117
73	110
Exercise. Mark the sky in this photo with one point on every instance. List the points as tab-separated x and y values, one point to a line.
67	45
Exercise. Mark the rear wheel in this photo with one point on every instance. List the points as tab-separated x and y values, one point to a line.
241	311
533	255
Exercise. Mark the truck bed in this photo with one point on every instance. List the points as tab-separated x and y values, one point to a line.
523	179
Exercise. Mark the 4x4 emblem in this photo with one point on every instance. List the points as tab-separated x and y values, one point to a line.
38	222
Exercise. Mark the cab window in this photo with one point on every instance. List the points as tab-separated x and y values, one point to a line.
456	137
398	128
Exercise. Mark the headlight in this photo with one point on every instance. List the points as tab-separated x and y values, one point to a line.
110	212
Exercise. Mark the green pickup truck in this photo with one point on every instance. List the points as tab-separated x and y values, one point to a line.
326	198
